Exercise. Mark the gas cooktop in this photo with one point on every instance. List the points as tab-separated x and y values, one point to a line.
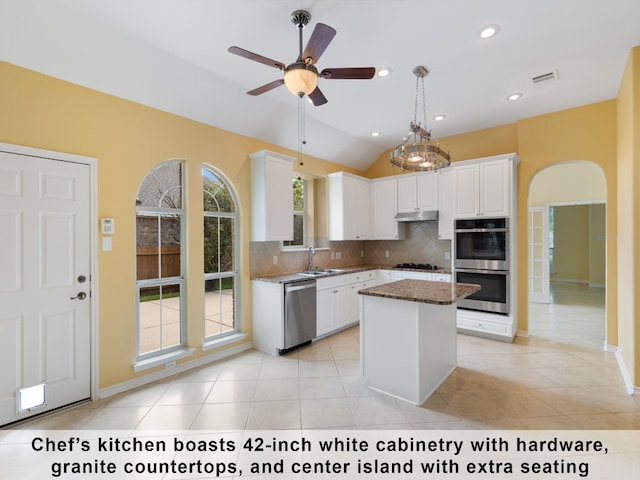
417	266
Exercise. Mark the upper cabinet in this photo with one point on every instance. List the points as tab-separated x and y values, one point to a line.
349	217
418	191
384	206
483	188
271	197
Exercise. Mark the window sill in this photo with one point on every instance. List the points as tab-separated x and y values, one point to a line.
162	359
219	342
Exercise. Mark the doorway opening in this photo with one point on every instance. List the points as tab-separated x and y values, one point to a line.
567	243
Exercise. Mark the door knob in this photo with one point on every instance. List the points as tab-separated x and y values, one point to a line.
80	296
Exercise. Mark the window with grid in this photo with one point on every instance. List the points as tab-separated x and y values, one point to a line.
160	261
220	256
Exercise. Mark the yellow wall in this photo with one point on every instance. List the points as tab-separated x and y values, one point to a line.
597	244
128	140
628	143
571	243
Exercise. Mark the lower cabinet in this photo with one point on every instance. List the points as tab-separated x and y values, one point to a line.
338	302
488	325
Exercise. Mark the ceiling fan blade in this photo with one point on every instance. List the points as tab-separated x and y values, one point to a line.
317	97
318	42
266	88
256	58
357	73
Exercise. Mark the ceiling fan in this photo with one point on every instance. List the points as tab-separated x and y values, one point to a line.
301	77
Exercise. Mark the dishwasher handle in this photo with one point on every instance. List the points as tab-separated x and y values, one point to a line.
292	287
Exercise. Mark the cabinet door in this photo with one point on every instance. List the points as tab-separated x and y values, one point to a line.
446	198
466	187
494	188
349	208
279	199
384	201
271	197
325	311
427	185
361	207
407	193
341	297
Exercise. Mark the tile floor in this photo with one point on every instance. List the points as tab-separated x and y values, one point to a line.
558	378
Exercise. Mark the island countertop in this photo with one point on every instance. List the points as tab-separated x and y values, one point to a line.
424	291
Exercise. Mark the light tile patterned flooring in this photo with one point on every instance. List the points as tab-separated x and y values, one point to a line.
558	378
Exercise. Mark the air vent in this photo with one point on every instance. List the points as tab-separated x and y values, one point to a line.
545	77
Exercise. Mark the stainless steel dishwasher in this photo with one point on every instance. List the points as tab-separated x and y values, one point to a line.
299	314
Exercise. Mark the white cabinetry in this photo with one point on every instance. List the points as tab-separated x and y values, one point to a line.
384	206
348	207
446	207
338	303
271	197
268	316
483	188
418	192
383	276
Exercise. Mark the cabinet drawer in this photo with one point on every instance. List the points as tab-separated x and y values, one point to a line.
365	276
333	281
442	277
483	325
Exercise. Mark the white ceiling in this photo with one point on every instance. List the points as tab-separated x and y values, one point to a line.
172	55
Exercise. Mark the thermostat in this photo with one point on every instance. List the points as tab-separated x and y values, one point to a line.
108	226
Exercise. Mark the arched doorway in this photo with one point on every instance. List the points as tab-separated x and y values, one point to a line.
566	252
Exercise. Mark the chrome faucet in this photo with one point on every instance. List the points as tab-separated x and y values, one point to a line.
312	252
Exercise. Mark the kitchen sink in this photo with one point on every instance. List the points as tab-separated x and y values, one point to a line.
320	271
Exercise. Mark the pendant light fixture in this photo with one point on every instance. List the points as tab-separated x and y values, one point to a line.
419	152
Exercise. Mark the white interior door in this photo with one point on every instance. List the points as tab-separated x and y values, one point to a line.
45	285
539	254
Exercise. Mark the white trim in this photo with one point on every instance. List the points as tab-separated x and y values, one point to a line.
162	374
162	359
631	390
219	342
93	241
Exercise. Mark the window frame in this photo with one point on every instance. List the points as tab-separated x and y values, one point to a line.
179	280
286	244
220	337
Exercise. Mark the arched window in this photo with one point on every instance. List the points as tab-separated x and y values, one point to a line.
220	256
160	261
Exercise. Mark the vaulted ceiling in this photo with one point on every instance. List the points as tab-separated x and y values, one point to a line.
172	55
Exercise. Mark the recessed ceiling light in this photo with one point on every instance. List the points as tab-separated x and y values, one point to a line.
489	31
384	72
514	96
439	117
375	134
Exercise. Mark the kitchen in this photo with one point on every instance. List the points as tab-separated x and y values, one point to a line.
151	136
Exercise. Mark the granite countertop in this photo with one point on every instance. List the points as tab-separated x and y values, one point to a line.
424	291
296	277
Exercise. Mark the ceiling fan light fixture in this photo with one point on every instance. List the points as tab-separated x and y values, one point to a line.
424	154
300	78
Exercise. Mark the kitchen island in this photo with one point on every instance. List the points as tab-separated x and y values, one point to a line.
408	336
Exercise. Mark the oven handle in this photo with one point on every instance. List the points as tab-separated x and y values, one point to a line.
474	270
481	230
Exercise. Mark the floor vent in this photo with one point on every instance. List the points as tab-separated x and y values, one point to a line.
546	77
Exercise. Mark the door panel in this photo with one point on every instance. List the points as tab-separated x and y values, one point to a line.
539	254
45	327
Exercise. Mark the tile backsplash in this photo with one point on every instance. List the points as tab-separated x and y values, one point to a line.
421	245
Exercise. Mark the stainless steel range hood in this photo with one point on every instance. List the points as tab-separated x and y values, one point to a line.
417	216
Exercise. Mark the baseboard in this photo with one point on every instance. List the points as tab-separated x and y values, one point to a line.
162	374
522	333
628	382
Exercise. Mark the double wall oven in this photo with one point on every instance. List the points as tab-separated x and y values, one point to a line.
482	257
